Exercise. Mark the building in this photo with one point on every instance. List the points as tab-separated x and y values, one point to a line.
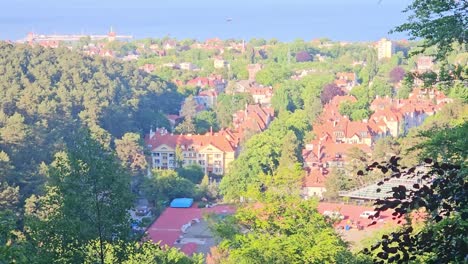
212	151
336	134
346	80
261	95
253	119
188	66
424	64
149	68
219	63
208	97
385	49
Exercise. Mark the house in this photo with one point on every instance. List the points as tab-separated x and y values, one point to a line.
188	66
213	81
241	86
253	119
212	151
219	63
336	134
261	95
171	65
170	44
208	97
424	64
346	80
149	68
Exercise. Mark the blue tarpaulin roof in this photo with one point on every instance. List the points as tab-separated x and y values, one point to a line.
182	202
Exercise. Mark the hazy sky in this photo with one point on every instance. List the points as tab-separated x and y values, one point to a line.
285	20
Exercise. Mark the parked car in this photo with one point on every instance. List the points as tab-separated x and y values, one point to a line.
333	214
367	214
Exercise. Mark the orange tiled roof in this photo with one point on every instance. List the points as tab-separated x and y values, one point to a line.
162	137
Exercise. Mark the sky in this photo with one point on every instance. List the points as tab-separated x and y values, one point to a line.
347	20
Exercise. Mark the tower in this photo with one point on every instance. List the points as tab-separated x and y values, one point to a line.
111	35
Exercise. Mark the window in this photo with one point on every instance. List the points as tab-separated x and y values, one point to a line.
156	154
218	156
156	161
171	154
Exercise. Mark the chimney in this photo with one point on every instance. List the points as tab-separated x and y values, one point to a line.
319	149
151	134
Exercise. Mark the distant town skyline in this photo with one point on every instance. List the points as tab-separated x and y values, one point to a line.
358	20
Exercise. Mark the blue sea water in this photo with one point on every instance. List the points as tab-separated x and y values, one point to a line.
350	20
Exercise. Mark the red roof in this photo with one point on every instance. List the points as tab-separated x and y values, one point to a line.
162	137
167	228
352	212
189	248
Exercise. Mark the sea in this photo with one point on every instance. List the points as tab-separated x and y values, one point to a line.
343	20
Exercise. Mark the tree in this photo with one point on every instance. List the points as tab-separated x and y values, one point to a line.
329	91
189	108
136	253
440	195
192	172
335	182
440	23
165	185
381	88
290	152
396	74
87	198
206	121
281	230
272	75
303	56
130	151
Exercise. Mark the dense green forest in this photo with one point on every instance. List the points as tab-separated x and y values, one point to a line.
47	94
64	195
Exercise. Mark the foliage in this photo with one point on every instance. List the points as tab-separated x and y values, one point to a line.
206	121
192	172
129	149
229	104
397	74
136	253
272	75
165	185
262	154
329	91
87	198
45	94
303	56
287	230
441	193
439	23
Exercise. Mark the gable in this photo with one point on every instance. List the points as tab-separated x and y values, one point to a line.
163	147
210	148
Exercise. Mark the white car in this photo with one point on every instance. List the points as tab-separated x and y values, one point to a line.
367	214
333	214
